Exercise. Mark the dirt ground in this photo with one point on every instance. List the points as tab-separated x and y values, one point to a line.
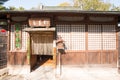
69	73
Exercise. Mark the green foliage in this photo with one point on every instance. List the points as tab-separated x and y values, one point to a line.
95	5
92	5
64	4
2	7
14	8
21	8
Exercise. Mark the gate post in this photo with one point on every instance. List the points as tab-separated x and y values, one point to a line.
118	51
60	51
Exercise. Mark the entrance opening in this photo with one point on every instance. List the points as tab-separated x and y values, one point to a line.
42	49
42	60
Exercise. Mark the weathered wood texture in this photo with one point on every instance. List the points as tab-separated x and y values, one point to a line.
33	61
81	58
17	58
119	50
39	22
42	43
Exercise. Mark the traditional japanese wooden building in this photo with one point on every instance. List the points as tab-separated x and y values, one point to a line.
91	38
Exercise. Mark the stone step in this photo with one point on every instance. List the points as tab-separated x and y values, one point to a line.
3	72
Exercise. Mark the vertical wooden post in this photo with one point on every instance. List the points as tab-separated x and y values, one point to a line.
118	47
28	51
54	53
86	42
118	51
8	42
58	69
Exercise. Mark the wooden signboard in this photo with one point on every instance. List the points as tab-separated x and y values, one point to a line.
39	22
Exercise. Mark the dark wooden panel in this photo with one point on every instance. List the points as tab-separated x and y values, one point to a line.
108	57
83	58
33	61
74	58
93	57
17	58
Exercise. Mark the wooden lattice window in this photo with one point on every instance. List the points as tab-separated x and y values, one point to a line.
94	37
78	37
25	38
101	37
73	36
18	38
64	32
109	37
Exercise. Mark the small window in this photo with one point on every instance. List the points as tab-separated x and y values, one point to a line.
18	37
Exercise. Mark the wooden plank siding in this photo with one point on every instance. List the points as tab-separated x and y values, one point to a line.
81	58
17	58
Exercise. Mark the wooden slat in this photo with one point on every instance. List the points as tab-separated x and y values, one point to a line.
17	58
94	57
74	58
38	29
42	44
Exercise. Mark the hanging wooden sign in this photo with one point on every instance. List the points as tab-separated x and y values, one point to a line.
39	22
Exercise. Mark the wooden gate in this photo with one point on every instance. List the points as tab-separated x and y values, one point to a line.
91	44
3	46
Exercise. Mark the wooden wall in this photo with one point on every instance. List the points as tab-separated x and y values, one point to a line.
90	58
97	42
17	58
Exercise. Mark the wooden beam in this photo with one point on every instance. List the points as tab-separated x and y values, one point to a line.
38	29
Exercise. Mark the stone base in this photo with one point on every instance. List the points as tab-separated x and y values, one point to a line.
3	73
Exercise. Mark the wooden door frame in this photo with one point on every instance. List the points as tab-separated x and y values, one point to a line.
33	57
